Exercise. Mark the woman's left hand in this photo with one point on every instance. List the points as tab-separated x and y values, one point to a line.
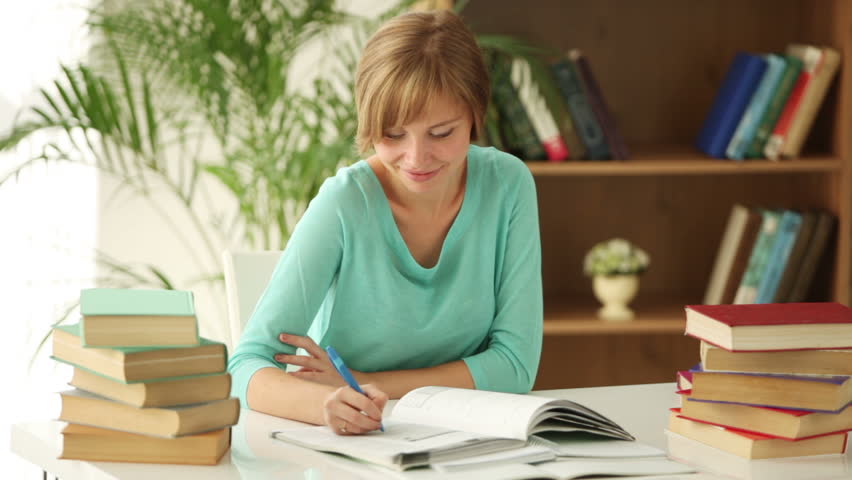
315	366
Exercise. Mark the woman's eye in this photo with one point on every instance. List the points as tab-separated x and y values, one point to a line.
392	136
443	134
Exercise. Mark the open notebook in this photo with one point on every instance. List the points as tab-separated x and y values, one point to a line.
440	424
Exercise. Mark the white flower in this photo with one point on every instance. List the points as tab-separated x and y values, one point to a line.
616	256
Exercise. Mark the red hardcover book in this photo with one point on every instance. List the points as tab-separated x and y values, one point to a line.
754	445
777	422
772	326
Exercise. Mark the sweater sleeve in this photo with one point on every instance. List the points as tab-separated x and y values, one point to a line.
299	284
510	360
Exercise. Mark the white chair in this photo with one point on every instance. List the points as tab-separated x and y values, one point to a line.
246	276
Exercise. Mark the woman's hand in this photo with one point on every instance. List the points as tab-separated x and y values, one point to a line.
315	366
347	412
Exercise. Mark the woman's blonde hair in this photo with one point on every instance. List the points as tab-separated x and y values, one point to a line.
410	60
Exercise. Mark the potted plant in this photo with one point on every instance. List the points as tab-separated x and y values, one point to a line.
615	266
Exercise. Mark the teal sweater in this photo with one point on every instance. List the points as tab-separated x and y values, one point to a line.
347	279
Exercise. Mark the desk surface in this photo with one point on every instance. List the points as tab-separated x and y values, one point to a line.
640	409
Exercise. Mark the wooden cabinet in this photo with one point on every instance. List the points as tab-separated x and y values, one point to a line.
659	63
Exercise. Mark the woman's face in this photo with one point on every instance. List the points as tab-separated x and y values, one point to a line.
428	154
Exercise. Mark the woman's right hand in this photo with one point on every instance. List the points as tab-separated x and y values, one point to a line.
347	412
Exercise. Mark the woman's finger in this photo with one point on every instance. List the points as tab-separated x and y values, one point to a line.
379	398
300	361
303	342
346	414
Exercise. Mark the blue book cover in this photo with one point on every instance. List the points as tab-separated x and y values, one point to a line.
730	103
788	229
747	127
571	87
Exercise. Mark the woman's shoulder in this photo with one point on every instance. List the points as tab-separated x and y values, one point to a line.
497	167
350	187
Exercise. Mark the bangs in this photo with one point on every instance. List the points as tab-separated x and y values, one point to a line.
409	92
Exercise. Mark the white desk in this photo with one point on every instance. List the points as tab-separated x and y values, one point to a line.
641	409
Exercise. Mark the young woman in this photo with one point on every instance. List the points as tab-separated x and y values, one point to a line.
420	265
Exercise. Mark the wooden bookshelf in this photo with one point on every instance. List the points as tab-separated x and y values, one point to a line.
659	63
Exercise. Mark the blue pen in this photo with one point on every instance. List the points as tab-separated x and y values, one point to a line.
345	373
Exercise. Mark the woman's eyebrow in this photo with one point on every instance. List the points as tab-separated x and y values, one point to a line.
446	122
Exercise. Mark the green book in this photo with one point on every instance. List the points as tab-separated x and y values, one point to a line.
775	107
521	135
117	317
760	257
138	364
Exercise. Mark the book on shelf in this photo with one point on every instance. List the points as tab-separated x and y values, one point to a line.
163	393
440	424
82	442
732	236
777	422
86	408
567	127
752	445
811	101
788	230
537	110
772	326
138	364
614	140
742	254
821	393
123	317
814	252
791	362
810	57
792	67
586	124
738	86
759	257
747	126
794	259
518	131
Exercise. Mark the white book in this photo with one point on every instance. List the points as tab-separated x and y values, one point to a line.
441	424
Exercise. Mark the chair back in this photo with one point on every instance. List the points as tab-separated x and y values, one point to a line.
246	277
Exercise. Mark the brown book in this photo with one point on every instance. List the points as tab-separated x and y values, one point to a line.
138	364
785	362
777	422
816	248
87	408
82	442
811	100
728	246
797	254
163	393
752	445
739	263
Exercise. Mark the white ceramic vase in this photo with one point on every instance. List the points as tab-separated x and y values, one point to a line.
615	292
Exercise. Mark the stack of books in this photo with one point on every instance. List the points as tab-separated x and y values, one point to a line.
767	104
147	388
775	380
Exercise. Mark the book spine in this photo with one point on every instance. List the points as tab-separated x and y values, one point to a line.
536	107
588	129
759	101
788	228
811	101
775	107
747	291
613	137
811	57
520	132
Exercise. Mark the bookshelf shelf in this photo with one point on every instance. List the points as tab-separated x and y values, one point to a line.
684	163
577	317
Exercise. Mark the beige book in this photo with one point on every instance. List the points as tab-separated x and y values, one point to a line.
165	393
87	408
81	442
